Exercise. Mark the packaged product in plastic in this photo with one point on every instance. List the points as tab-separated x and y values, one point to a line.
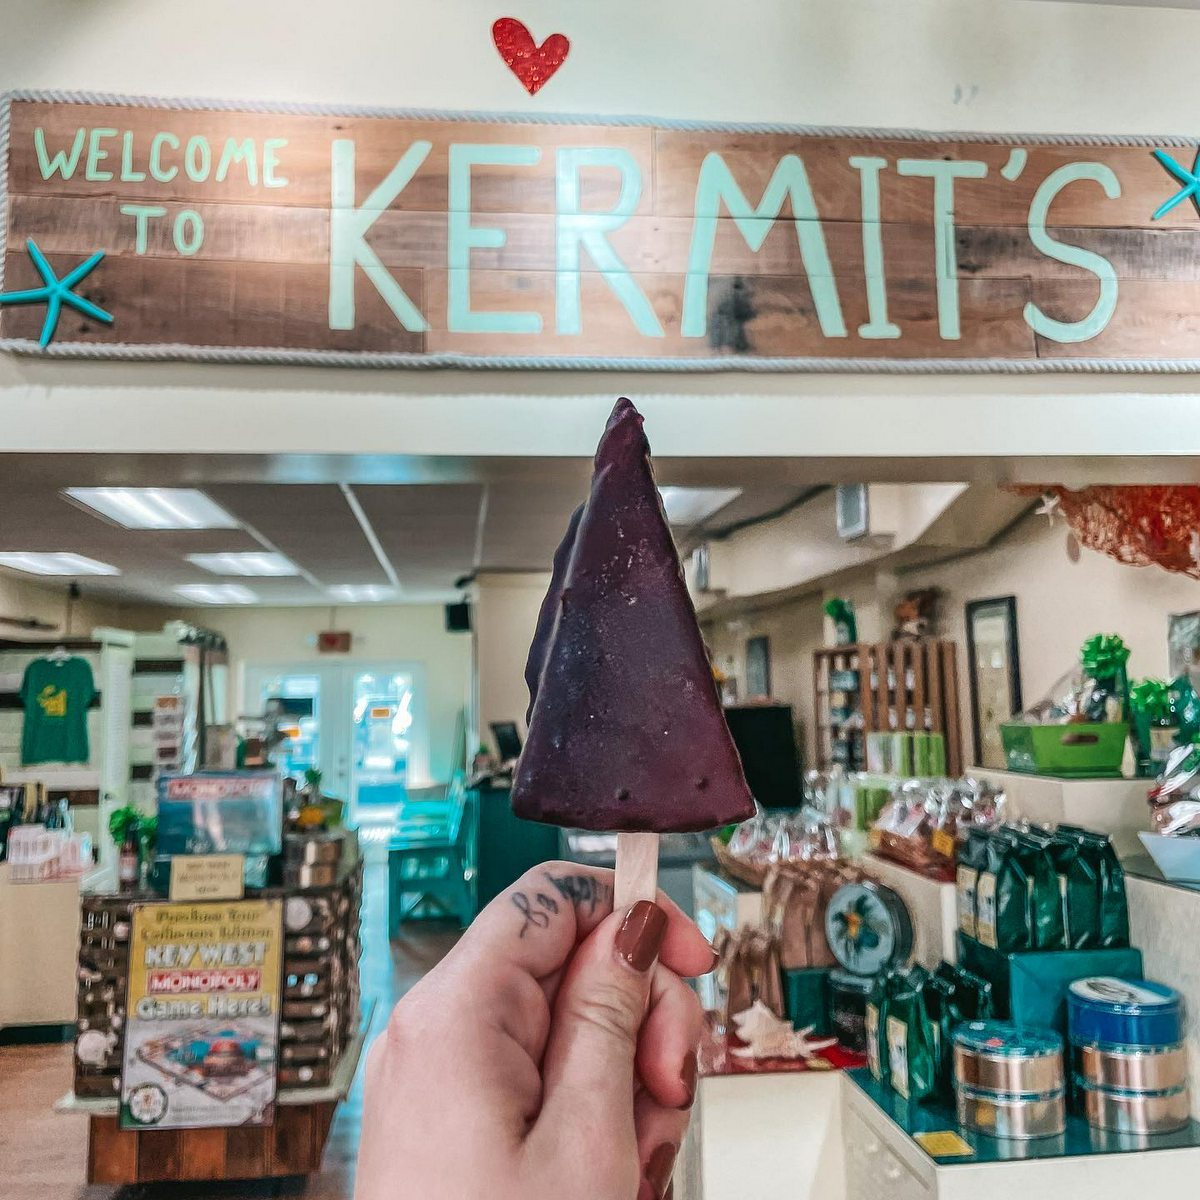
1095	690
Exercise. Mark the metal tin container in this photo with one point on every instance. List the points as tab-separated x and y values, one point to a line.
1132	1068
1012	1116
1105	1011
1135	1112
1001	1059
868	928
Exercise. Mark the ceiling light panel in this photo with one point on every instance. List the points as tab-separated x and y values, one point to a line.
155	508
361	593
255	562
216	593
56	564
690	506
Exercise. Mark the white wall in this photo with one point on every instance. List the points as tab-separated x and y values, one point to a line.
978	64
404	633
504	614
21	597
1059	604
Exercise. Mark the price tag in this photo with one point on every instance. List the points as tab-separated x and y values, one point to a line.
208	877
943	1143
942	843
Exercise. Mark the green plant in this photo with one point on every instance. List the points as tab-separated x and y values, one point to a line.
144	826
120	820
312	779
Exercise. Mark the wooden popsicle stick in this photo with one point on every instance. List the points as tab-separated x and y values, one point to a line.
637	869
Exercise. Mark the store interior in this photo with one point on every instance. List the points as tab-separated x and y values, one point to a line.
310	327
376	631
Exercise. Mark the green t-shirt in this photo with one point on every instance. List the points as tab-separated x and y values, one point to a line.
56	696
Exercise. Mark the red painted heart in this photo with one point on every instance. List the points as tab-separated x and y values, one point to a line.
532	64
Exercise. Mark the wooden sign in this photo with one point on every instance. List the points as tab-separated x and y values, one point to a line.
153	231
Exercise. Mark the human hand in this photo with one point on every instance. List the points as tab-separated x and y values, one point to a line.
547	1057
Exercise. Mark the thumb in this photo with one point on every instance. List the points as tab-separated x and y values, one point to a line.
588	1069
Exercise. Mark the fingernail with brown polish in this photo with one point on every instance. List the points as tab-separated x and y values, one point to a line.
659	1170
688	1077
641	935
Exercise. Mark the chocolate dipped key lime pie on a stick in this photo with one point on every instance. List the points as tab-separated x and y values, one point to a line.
626	732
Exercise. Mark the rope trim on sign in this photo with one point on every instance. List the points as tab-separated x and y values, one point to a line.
281	356
292	108
169	352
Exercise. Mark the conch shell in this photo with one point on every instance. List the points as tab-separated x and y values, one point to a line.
769	1036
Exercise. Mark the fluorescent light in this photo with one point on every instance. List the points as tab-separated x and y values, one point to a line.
217	593
155	508
253	562
56	564
361	593
690	506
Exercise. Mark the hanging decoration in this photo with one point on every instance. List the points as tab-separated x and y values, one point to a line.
55	292
1141	525
1049	508
532	64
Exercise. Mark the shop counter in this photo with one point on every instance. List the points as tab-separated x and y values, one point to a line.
773	1136
1163	918
317	1042
39	938
506	845
293	1145
884	1155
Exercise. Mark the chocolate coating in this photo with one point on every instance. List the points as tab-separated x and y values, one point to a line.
626	730
547	614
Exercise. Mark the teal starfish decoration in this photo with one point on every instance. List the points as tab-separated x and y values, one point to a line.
55	292
1189	179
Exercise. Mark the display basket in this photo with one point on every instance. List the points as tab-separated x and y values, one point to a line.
744	871
1085	750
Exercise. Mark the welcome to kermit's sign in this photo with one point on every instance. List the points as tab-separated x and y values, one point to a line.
159	231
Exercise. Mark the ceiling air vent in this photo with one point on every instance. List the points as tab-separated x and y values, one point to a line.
853	512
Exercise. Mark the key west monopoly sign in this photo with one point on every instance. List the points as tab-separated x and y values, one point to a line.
147	229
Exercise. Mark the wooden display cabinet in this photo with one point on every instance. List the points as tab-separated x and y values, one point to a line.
906	685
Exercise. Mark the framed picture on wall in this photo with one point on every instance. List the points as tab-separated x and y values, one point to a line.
758	667
995	674
1183	644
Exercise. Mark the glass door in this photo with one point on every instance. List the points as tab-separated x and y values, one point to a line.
361	724
381	733
295	695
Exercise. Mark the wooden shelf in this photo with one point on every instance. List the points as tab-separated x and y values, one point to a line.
894	679
157	666
47	644
12	702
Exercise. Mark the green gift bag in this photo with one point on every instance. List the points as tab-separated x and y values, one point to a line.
806	999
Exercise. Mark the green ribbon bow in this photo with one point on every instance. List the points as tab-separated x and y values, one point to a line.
1104	656
1151	698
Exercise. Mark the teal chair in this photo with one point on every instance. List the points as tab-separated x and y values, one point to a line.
431	860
